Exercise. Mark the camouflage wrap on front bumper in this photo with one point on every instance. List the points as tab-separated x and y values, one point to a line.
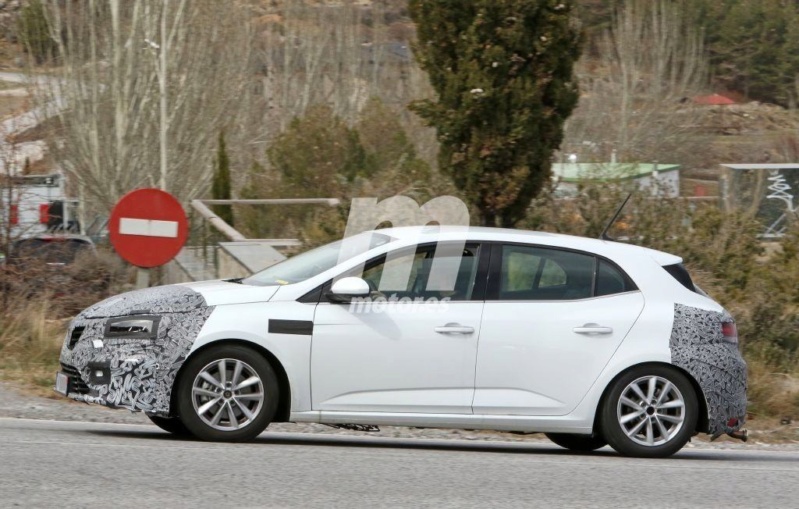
698	346
139	374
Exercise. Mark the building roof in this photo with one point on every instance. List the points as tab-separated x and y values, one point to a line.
580	172
714	100
789	166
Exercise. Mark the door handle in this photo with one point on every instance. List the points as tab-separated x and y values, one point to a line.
454	328
592	328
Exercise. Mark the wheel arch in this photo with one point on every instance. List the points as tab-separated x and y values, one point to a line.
284	401
702	421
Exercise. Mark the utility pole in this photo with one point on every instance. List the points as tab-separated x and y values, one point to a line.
162	77
143	275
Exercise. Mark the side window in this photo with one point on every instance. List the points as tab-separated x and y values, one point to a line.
609	280
552	275
540	273
533	273
410	274
400	273
519	268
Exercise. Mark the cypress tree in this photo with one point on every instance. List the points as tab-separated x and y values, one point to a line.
503	72
220	188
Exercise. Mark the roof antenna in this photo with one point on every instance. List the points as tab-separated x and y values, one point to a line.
604	235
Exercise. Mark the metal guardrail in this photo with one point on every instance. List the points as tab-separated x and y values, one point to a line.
201	206
202	261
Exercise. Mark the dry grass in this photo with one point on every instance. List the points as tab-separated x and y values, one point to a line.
36	305
30	343
772	393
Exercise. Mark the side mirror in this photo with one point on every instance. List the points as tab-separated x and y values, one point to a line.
345	289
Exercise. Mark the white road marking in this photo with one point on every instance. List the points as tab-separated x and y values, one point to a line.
148	227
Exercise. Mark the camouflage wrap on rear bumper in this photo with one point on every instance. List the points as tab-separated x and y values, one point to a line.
698	346
139	373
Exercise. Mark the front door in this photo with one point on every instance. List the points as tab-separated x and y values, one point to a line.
410	347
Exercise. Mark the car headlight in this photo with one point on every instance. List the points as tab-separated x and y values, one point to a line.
133	327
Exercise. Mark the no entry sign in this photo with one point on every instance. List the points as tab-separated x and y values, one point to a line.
148	227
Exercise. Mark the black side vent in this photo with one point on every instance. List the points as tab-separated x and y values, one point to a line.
74	336
76	383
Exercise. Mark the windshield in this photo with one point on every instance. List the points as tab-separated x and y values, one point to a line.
314	262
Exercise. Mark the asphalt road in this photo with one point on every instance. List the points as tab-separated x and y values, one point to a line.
79	464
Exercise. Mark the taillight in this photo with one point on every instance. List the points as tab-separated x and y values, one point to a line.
729	332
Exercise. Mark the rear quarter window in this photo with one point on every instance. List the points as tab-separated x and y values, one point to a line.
680	273
610	280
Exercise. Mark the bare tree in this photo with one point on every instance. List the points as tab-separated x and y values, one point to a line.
636	96
145	87
339	55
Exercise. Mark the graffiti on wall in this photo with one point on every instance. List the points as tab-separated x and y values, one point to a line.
780	189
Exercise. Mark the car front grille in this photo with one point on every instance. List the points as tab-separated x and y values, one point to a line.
76	383
74	336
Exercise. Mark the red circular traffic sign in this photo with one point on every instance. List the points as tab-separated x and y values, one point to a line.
148	227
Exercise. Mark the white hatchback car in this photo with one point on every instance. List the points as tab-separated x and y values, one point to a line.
591	342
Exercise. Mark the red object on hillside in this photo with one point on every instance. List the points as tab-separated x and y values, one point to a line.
44	213
713	100
148	227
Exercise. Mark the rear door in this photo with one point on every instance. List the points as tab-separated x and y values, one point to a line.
552	320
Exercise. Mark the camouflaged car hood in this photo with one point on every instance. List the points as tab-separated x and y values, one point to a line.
148	301
178	299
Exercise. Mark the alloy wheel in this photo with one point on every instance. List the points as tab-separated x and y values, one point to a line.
227	394
651	411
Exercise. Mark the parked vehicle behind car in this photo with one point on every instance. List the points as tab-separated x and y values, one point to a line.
592	342
64	267
55	250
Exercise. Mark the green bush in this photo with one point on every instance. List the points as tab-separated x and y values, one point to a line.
320	156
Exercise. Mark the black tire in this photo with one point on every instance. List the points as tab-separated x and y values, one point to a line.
171	425
244	428
580	443
650	441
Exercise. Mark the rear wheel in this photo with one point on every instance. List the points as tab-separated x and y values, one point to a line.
583	443
227	394
171	425
650	412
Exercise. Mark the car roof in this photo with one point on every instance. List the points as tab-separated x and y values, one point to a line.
608	248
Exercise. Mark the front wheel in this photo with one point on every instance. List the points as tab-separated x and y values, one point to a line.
650	412
228	393
581	443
